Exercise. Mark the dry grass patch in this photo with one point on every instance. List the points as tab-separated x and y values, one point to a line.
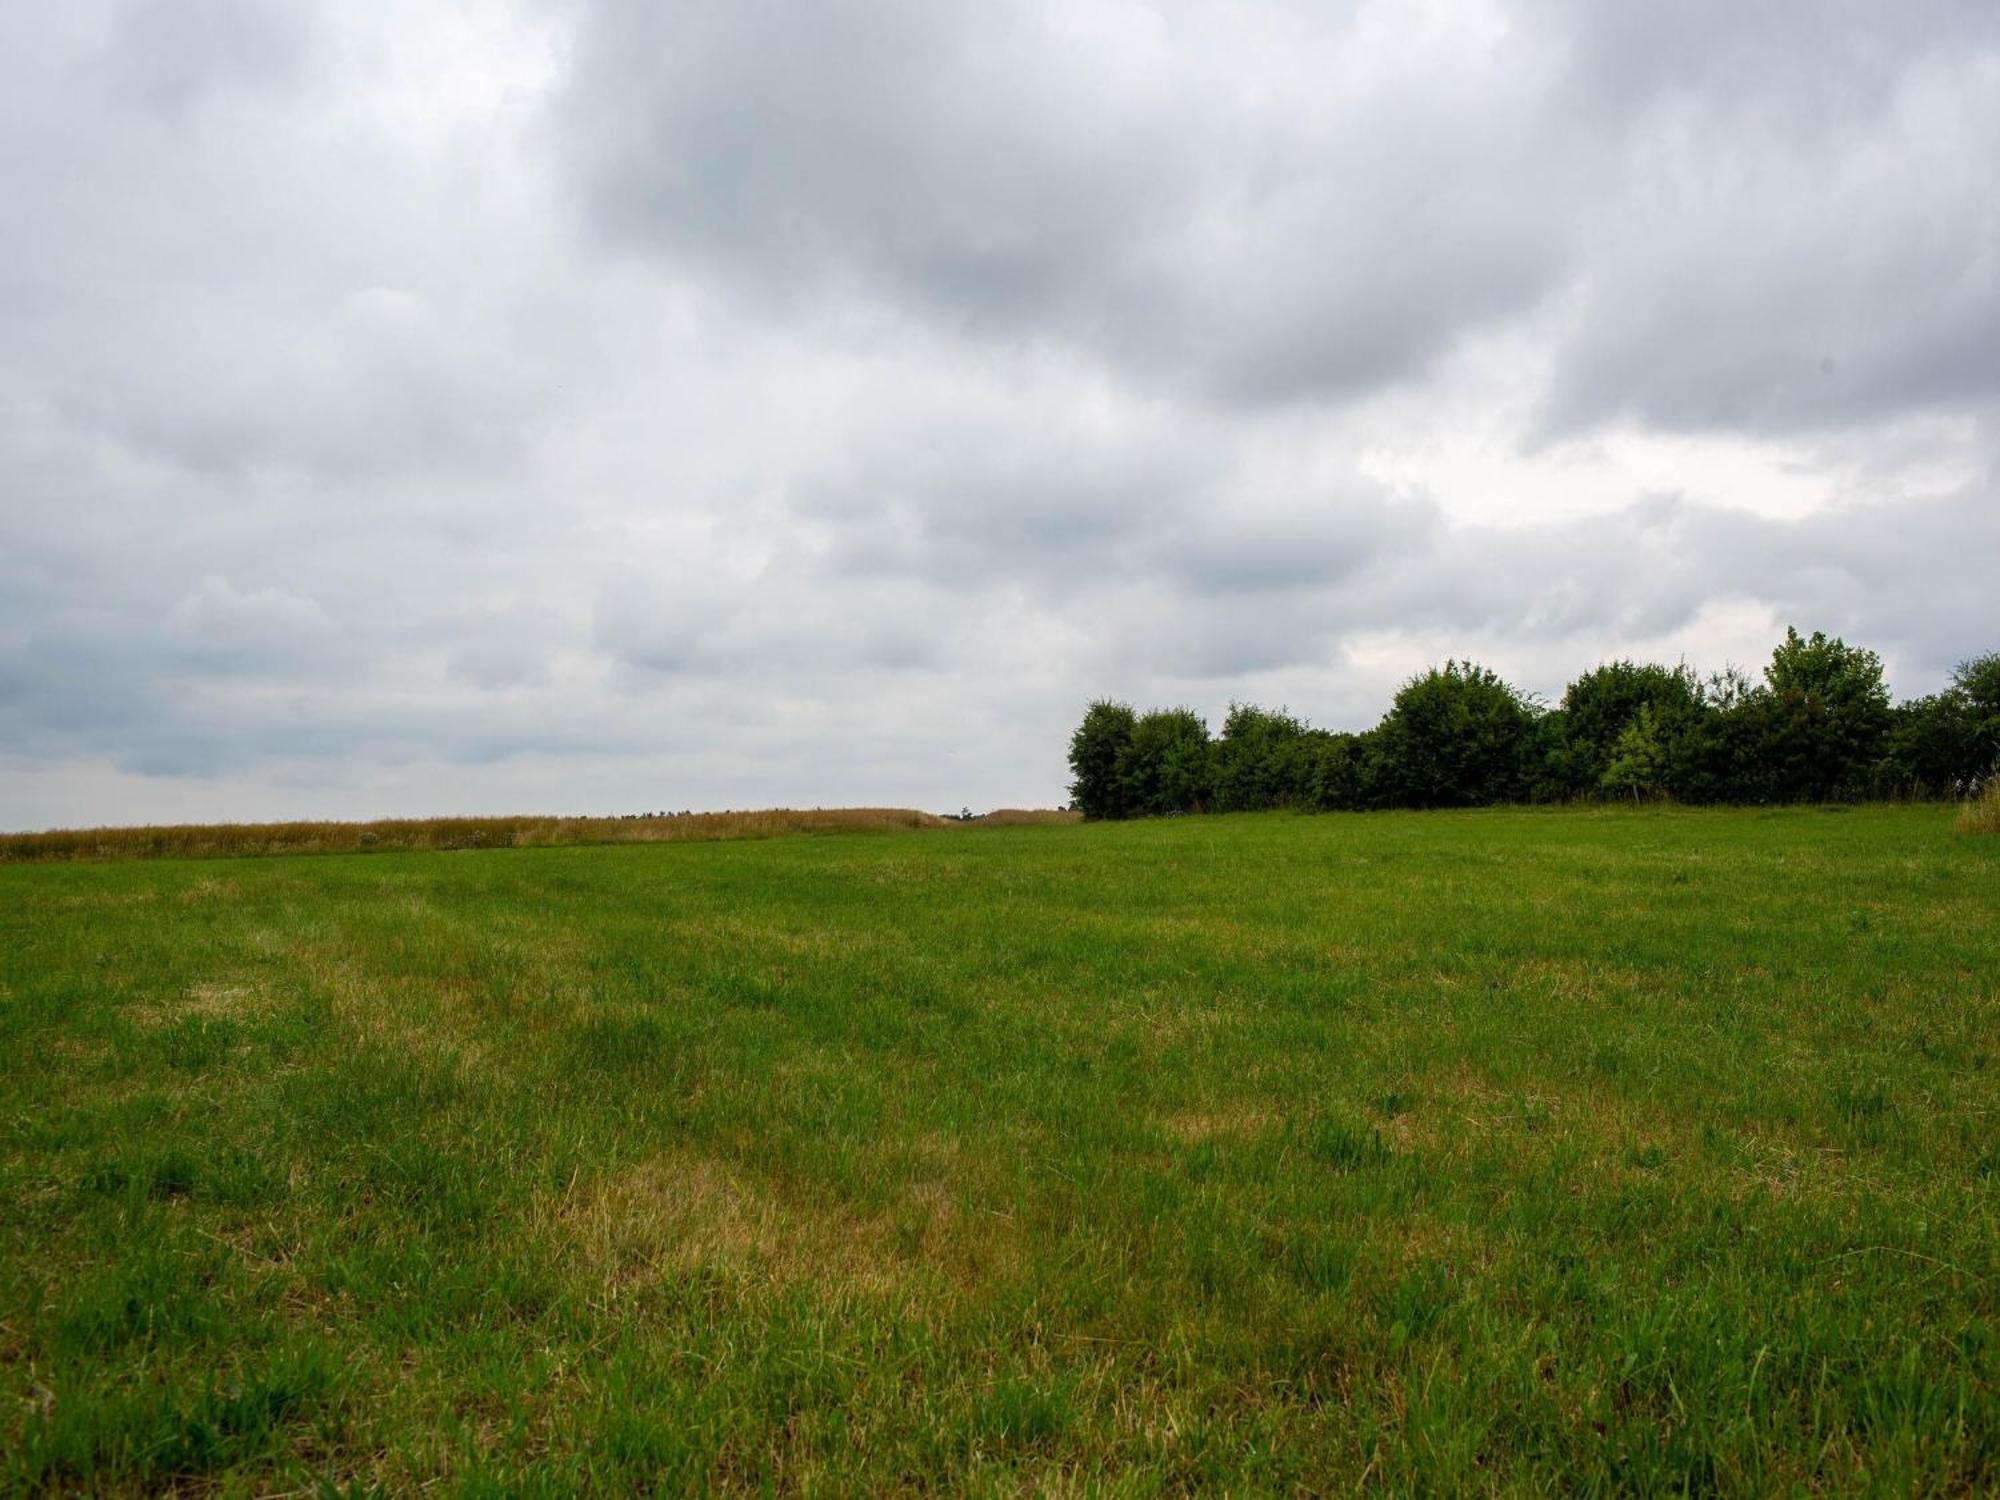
206	841
1233	1122
683	1213
1982	816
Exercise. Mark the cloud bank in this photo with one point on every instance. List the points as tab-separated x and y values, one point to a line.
593	405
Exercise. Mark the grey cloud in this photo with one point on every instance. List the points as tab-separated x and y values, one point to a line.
1742	280
169	55
1801	69
769	626
992	168
501	652
1770	216
1910	577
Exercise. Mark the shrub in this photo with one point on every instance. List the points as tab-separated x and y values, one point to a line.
1601	705
1341	771
1097	789
1931	749
1262	760
1456	736
1638	761
1165	765
1978	682
1820	725
1835	710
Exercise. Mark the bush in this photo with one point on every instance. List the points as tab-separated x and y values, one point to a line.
1834	714
1096	789
1638	761
1165	764
1601	705
1262	760
1977	682
1819	726
1342	771
1456	736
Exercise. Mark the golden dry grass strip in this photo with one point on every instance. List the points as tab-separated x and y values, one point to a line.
205	841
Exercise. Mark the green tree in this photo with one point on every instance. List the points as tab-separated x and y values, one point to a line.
1096	750
1600	706
1978	680
1261	760
1456	736
1833	711
1638	761
1165	766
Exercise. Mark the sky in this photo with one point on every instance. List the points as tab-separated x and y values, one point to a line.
433	406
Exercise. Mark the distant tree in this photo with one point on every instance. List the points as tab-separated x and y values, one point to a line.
1946	744
1929	750
1600	706
1833	706
1096	751
1339	771
1549	773
1979	681
1165	766
1456	736
1261	760
1819	725
1729	688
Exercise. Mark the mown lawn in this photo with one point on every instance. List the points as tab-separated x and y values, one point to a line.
1629	1151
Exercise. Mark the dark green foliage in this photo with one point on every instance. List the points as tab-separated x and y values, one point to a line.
1456	736
1948	744
1342	772
1546	761
1600	706
1263	760
1978	682
1932	748
1819	727
1097	788
1164	767
1847	679
1833	715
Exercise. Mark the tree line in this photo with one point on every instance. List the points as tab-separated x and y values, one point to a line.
1819	726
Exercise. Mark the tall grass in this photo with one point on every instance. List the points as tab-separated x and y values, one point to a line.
1983	815
204	841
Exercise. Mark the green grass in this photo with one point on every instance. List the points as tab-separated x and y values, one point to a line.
1502	1151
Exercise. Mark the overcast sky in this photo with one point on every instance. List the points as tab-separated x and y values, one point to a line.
601	405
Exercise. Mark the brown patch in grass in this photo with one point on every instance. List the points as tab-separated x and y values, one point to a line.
681	1212
1238	1122
217	1000
220	1000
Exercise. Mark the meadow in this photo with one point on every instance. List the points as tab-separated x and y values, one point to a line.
1496	1151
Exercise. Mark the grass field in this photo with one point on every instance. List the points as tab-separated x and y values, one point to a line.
1613	1151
